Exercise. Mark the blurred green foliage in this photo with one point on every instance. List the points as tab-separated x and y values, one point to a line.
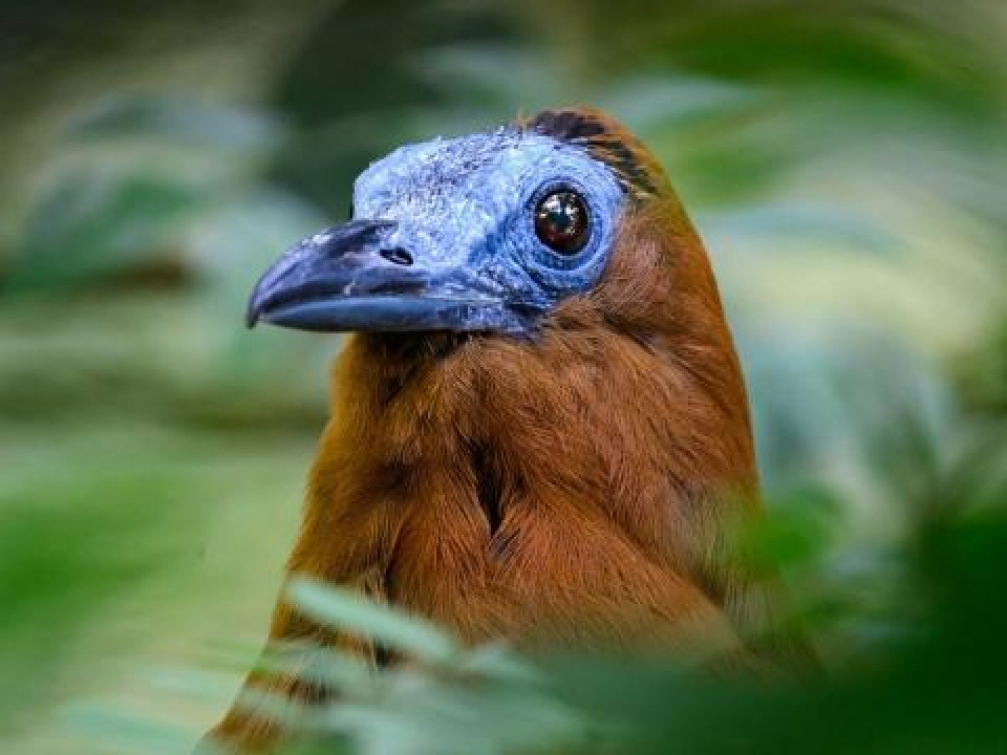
845	165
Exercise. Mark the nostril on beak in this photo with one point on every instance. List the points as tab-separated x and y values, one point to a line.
397	256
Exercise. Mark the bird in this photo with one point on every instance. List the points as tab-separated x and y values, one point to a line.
539	430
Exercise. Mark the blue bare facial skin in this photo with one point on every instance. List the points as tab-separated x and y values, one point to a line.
444	238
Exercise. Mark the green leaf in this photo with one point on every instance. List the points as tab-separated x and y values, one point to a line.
348	611
333	669
178	119
99	223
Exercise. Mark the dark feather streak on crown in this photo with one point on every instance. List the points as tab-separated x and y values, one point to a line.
591	131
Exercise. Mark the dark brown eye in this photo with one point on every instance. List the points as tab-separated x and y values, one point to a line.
561	222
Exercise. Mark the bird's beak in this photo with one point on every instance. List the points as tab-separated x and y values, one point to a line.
358	276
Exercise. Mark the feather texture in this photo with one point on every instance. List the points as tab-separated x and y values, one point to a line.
575	488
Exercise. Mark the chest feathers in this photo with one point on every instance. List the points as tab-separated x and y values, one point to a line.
571	486
561	490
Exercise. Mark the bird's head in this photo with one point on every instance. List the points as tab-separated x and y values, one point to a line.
491	233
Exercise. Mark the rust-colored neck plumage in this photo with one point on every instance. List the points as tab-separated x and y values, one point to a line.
626	411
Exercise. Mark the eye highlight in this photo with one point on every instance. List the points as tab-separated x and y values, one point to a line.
562	222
